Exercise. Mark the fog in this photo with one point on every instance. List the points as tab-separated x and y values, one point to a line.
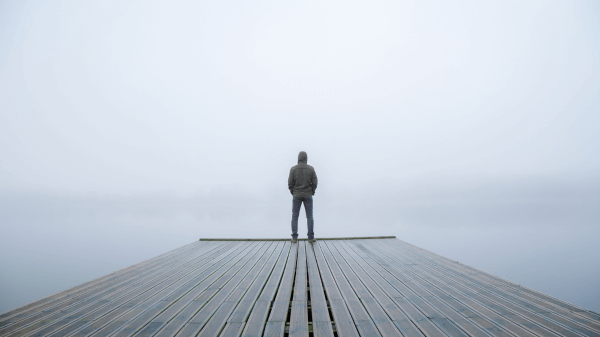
129	128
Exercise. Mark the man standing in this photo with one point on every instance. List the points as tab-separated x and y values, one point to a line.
302	183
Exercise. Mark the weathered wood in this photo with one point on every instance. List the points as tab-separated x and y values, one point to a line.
386	281
526	306
149	298
260	311
345	287
401	271
343	321
72	302
358	312
62	314
320	313
132	320
35	306
299	317
247	288
537	319
276	324
373	305
201	318
346	238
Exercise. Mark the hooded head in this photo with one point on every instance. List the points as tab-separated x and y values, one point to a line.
302	157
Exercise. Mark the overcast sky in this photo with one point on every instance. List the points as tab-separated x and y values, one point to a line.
122	97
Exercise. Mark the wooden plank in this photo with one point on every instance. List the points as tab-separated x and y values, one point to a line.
100	319
244	295
274	329
385	293
343	238
55	320
299	317
276	324
381	287
178	314
35	306
113	305
385	280
343	321
521	312
270	290
202	317
158	302
524	291
358	312
521	304
49	311
400	271
233	329
174	304
256	322
366	293
440	300
242	311
320	313
149	299
258	317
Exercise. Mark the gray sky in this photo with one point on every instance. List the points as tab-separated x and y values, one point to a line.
126	97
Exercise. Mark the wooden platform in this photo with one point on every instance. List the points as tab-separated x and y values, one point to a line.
335	287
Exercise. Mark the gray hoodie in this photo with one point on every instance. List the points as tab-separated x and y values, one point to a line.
302	181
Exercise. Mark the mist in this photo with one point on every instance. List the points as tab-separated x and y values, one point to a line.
129	128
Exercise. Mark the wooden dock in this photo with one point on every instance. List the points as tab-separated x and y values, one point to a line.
380	287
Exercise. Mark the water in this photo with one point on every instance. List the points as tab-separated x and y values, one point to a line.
49	244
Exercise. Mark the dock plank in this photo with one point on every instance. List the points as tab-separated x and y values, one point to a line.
320	313
336	287
524	305
64	314
534	318
197	312
505	323
299	315
146	299
276	323
342	319
414	295
238	303
51	300
357	310
133	319
258	317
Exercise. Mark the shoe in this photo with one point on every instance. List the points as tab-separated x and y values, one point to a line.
294	240
313	240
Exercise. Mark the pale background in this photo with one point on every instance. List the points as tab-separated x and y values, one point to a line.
469	128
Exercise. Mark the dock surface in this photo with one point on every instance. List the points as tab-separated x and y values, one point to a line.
379	286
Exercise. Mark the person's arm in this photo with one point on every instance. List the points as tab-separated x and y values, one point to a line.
314	181
291	181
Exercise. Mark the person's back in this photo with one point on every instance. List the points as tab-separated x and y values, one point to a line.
302	183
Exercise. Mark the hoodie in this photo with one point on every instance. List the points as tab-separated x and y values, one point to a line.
302	181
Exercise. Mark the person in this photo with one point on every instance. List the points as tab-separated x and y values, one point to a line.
302	183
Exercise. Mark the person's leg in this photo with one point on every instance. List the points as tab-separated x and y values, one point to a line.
310	222
296	202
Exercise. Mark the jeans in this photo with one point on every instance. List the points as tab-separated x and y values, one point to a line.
308	207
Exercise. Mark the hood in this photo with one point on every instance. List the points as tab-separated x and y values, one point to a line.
302	157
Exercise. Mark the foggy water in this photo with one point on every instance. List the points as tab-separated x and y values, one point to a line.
49	244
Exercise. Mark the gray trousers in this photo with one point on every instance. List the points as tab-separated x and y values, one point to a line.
308	207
